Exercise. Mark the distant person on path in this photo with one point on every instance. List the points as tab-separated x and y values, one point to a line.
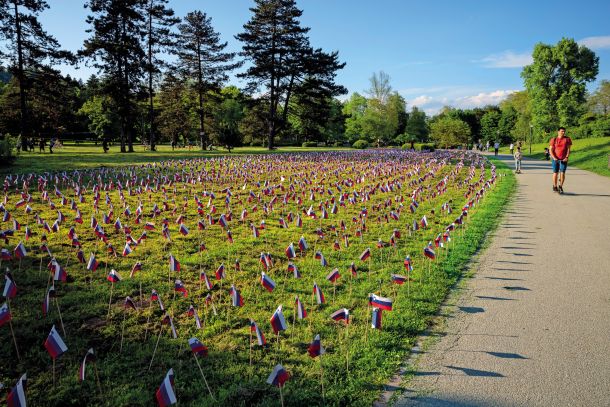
560	152
105	144
512	148
51	145
496	147
487	146
41	145
518	157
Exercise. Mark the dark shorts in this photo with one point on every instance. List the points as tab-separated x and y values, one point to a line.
559	166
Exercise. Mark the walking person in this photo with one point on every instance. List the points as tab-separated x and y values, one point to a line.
512	148
496	148
560	152
518	157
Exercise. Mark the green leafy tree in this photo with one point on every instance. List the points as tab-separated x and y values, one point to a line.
354	109
490	130
449	132
599	101
203	61
396	108
556	82
227	117
416	125
519	102
174	118
508	118
101	117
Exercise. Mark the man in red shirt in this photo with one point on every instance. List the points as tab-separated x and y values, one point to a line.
560	151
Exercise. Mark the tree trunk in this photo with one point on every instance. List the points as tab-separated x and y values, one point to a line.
122	134
21	79
202	137
151	112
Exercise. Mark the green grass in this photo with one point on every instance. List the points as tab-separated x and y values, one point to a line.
88	155
589	154
374	356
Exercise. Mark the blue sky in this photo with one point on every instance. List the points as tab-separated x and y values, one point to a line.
464	54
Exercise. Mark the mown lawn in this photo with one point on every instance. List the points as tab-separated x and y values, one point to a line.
591	154
359	360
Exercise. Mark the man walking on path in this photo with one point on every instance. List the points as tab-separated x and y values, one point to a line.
560	151
496	148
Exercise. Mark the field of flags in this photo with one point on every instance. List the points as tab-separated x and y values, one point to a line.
282	279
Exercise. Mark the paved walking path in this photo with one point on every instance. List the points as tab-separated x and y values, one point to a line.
532	327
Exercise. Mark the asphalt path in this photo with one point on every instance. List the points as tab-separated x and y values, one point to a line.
532	327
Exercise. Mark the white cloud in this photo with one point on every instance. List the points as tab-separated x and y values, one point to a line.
466	99
596	43
506	59
483	99
421	100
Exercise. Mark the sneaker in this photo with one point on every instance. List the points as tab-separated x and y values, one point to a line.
560	188
555	189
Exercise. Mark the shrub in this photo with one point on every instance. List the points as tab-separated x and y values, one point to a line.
7	147
427	147
310	144
406	146
360	144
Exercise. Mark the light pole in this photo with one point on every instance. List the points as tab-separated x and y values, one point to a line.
531	131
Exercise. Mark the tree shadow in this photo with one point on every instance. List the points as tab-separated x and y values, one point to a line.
475	372
472	310
485	297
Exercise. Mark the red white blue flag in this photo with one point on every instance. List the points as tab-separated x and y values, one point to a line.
278	376
10	288
267	282
180	288
315	348
341	315
236	298
174	264
301	313
278	322
380	302
317	292
92	264
197	347
333	275
260	338
376	318
16	397
54	344
5	314
165	395
366	254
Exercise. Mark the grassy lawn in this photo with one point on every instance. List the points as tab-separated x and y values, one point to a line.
88	155
359	360
589	154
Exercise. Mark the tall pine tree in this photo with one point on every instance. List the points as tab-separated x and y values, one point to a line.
116	49
159	39
202	60
29	48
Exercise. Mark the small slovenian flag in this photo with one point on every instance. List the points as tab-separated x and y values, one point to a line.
113	276
154	296
318	294
341	315
16	397
398	279
301	313
222	221
54	344
255	232
174	264
278	376
90	355
322	259
278	322
429	253
197	347
380	302
260	338
333	275
302	244
20	251
129	303
315	348
415	225
206	280
167	320
165	393
46	304
179	287
183	230
290	253
92	264
127	250
376	318
292	268
149	226
5	314
365	254
424	222
408	264
10	288
136	267
220	272
192	312
236	298
28	233
267	282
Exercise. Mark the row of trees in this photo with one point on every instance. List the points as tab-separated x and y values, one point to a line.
163	78
131	44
